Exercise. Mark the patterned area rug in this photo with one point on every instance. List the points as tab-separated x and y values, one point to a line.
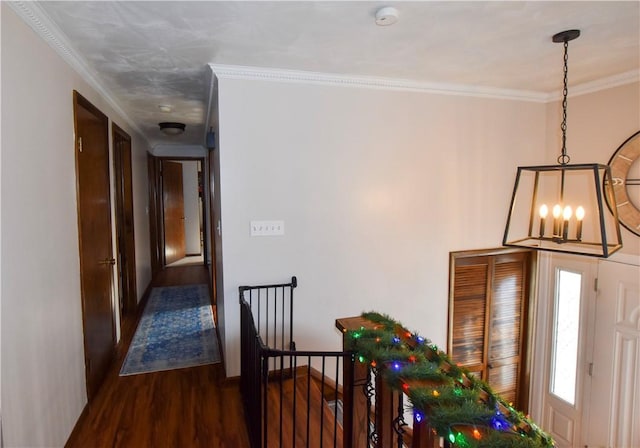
175	331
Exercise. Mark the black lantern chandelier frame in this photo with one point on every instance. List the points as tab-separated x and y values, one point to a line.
564	232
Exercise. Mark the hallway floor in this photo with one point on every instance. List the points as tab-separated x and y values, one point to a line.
194	407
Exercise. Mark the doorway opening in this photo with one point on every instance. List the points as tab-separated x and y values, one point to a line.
177	212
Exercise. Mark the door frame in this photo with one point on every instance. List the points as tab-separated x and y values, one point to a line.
156	209
122	176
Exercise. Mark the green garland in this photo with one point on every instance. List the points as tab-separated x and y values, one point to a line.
458	406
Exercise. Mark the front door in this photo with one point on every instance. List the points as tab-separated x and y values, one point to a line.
173	207
566	299
614	414
94	226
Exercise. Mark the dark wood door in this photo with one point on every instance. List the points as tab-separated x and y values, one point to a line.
488	319
173	207
94	225
124	221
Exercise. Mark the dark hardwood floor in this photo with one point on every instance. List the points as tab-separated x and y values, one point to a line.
192	407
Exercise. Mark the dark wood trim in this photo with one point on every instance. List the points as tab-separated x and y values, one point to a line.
155	216
125	236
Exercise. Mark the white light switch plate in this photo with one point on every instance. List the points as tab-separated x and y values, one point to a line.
267	228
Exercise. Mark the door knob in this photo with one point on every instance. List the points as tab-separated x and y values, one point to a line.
109	261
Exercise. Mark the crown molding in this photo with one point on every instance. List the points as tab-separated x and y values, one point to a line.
38	20
609	82
271	74
331	79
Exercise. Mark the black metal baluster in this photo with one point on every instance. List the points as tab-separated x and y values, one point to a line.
399	422
308	396
282	325
265	396
295	396
281	396
322	401
335	397
369	389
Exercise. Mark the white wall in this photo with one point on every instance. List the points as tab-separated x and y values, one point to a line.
43	379
191	207
376	187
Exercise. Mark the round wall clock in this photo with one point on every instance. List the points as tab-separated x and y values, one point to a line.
625	174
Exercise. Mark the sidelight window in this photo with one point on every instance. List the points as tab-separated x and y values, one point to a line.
566	329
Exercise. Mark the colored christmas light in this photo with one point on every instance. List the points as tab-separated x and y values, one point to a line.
443	392
461	440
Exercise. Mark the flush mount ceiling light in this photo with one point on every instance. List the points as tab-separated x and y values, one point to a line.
574	194
172	128
386	16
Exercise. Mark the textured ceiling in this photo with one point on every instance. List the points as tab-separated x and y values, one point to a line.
151	53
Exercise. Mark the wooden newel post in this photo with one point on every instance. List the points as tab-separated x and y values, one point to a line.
423	436
355	378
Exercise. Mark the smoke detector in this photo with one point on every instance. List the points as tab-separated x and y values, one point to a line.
386	16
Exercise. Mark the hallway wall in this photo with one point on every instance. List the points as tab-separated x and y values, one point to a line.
43	372
375	187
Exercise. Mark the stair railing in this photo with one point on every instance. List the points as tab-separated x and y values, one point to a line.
291	398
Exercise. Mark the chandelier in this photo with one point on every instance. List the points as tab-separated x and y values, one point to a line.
560	208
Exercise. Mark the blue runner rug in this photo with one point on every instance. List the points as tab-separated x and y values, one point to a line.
175	331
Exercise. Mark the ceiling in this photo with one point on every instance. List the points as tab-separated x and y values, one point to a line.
146	54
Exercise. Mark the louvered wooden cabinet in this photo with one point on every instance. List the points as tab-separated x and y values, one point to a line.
488	318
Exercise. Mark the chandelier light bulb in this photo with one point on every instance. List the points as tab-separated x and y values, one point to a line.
580	213
566	214
544	211
557	211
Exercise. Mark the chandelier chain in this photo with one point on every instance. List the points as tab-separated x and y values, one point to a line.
563	159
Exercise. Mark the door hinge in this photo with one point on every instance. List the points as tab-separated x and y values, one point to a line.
80	144
595	284
590	369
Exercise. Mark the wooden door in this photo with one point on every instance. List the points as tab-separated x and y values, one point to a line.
488	319
173	200
94	225
124	221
